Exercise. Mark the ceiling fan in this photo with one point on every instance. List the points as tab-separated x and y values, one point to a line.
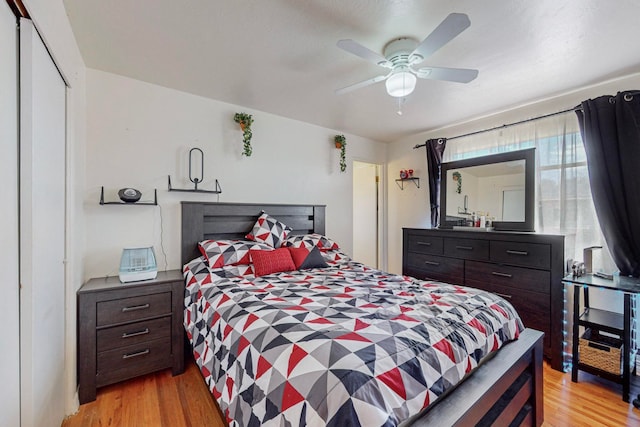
401	55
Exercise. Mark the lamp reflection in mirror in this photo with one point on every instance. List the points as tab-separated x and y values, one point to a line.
400	83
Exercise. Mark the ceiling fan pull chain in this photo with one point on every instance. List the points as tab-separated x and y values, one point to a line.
401	101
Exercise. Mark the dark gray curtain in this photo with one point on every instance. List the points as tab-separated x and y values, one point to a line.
610	127
435	149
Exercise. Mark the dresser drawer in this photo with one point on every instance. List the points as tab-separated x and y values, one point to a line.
532	307
133	333
133	360
534	255
515	278
436	268
424	244
131	309
467	248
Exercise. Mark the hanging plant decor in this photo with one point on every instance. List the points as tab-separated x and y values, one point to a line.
341	143
245	120
458	178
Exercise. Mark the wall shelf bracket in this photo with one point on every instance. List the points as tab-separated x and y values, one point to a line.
153	203
400	182
218	189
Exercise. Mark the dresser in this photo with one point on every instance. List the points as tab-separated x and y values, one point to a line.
524	268
127	330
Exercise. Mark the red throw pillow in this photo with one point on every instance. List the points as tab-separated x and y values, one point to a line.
268	262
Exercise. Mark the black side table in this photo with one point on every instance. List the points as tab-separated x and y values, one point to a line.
606	321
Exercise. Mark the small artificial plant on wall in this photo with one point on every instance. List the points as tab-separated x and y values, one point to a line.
341	144
245	120
458	178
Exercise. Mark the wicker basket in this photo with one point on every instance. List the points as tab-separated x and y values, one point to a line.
601	351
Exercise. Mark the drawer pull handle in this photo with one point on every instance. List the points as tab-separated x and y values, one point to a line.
496	273
465	248
512	252
503	295
424	243
135	307
432	263
136	354
135	334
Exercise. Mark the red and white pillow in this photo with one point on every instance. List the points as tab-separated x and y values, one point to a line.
220	253
310	241
269	230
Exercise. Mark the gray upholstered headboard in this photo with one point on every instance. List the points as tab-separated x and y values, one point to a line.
201	221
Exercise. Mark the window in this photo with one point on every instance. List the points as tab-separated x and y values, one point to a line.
563	196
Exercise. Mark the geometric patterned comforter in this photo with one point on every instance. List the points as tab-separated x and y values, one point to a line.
338	346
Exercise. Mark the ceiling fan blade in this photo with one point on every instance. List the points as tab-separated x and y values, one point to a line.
452	25
363	52
361	84
460	75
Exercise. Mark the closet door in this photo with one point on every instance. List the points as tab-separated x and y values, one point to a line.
42	233
9	282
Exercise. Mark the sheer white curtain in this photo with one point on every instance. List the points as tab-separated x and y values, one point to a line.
563	197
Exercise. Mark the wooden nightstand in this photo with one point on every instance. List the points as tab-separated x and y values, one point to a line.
127	330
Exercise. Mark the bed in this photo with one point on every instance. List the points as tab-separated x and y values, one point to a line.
345	344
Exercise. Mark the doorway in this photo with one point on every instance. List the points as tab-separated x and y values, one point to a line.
367	219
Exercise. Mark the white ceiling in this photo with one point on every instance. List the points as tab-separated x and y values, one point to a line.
280	56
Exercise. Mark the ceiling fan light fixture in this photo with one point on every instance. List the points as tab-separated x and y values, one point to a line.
401	84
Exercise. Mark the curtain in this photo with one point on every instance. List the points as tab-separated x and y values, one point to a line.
435	150
563	200
610	127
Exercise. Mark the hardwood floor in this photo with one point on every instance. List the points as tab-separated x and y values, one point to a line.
158	399
184	401
590	402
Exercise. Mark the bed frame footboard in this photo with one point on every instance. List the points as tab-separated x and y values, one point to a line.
505	390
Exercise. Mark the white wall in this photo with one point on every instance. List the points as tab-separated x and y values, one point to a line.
51	20
9	260
410	208
138	133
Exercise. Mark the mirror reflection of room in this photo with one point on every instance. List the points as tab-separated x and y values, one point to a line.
494	191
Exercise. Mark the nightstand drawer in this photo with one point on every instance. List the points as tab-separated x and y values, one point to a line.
532	255
133	360
131	309
134	333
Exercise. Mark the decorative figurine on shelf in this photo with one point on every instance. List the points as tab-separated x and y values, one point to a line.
129	195
245	120
458	178
341	144
406	173
578	269
196	174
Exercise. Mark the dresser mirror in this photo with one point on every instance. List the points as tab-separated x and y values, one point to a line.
499	186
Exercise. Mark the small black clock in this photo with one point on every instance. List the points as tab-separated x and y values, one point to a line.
129	195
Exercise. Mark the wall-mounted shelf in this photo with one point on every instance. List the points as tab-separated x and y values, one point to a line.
218	189
400	182
119	202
